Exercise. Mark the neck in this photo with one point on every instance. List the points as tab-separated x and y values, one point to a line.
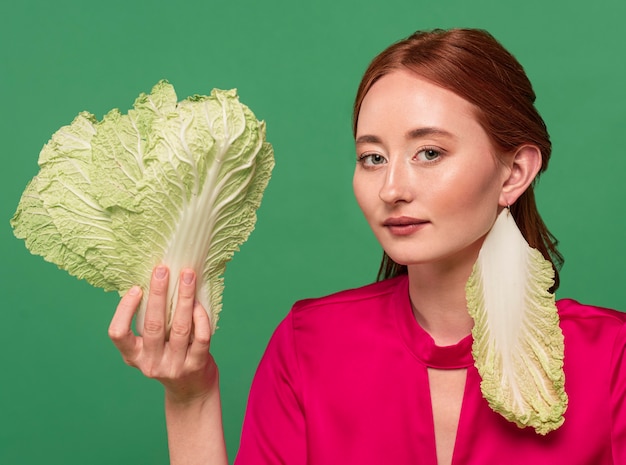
437	292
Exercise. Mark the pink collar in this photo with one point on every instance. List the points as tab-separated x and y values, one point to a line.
419	342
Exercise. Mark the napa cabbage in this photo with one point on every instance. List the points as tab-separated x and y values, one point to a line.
518	344
169	182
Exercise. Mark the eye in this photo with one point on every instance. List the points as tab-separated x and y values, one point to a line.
371	159
428	154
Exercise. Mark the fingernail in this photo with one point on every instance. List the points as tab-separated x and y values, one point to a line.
134	290
187	277
160	272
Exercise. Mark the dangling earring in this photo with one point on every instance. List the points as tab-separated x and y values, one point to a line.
518	343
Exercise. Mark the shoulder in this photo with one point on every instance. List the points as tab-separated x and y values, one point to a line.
573	313
591	333
368	303
379	291
353	315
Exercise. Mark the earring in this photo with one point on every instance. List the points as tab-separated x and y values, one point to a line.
518	343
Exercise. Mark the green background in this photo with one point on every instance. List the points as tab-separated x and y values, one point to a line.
65	395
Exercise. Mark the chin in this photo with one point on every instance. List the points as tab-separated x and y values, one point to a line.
403	259
447	258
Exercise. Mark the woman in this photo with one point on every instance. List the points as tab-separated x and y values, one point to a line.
447	137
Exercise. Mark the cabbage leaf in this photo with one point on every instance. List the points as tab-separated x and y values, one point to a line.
170	182
518	343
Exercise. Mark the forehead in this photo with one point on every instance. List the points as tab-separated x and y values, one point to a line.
402	99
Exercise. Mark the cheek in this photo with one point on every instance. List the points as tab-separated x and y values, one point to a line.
483	177
359	187
477	203
467	192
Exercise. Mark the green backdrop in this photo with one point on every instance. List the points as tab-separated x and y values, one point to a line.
65	395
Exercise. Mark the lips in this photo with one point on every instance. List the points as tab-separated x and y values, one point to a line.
404	225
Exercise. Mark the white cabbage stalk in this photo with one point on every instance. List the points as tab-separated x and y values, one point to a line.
171	182
518	343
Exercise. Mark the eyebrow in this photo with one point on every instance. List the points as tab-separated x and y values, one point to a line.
412	134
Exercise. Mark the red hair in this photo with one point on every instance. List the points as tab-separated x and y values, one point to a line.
474	65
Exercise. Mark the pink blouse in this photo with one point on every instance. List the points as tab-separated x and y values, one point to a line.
344	381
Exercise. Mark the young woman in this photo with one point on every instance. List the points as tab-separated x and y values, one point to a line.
447	137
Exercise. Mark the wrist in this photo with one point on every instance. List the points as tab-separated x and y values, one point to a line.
194	392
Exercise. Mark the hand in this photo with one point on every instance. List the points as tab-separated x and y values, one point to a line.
183	363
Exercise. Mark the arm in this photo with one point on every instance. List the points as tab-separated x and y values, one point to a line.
618	398
274	429
182	364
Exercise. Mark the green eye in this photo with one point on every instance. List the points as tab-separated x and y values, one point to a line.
429	154
371	159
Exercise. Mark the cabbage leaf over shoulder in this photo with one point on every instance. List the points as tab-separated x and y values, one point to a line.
518	344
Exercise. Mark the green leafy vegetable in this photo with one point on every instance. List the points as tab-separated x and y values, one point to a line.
170	182
518	344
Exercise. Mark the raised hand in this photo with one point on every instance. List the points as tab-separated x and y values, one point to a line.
181	363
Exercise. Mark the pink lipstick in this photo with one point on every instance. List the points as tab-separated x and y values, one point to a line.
404	225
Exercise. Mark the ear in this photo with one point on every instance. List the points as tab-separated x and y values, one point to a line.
524	165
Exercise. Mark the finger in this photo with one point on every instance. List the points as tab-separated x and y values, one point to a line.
154	322
199	348
181	330
120	330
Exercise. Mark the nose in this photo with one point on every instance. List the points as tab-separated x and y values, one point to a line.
398	184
